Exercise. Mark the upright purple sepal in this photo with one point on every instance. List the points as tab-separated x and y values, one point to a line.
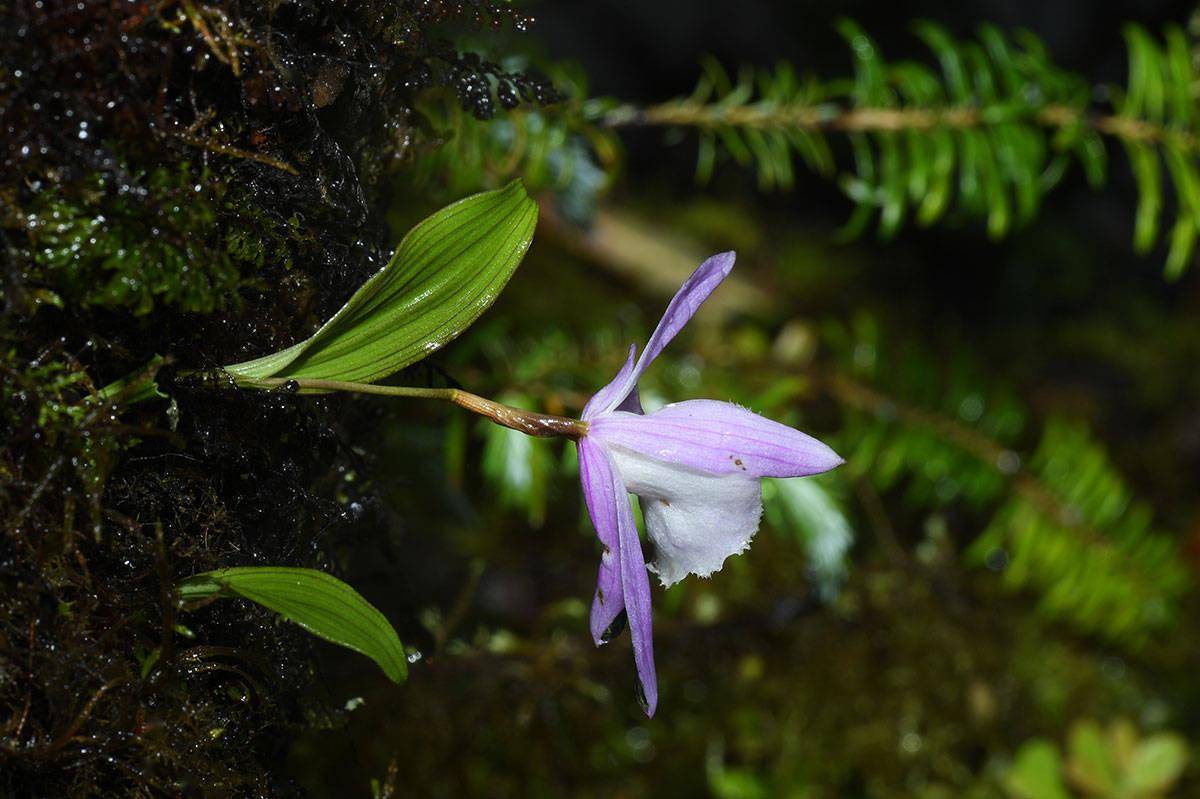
683	306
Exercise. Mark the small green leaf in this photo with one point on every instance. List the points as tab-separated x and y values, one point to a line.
1090	766
318	602
517	466
1156	765
808	510
135	387
445	273
1036	773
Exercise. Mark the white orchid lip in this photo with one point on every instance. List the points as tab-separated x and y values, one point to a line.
695	467
695	519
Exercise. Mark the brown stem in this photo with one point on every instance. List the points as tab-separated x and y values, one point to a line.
541	425
50	748
234	152
831	117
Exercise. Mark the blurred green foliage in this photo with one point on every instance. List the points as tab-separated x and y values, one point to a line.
1112	763
1078	535
1009	550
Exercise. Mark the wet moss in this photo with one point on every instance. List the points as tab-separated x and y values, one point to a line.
204	181
117	250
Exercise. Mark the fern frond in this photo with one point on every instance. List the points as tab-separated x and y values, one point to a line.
933	428
556	149
1157	123
1062	523
985	134
1085	543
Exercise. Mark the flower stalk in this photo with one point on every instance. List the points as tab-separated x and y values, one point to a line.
540	425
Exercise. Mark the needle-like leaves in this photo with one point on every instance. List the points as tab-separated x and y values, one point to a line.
321	604
445	273
987	133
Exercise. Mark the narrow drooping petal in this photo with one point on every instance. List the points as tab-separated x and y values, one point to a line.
636	583
603	493
607	398
695	519
717	437
683	306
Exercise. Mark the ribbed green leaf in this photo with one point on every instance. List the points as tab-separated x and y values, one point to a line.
445	273
318	602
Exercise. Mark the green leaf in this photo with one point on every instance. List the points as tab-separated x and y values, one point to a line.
135	387
1090	765
1036	773
808	510
445	273
318	602
1157	763
517	466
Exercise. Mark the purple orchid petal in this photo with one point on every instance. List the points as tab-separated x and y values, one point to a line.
636	582
683	306
603	493
606	398
716	437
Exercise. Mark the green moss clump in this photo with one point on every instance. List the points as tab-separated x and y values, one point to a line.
205	181
134	245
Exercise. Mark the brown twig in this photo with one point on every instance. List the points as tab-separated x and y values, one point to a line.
462	604
885	532
235	152
50	748
831	117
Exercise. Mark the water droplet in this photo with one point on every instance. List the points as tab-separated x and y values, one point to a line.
911	743
414	657
1008	462
996	559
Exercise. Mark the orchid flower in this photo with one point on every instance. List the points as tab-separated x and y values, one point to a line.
695	467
